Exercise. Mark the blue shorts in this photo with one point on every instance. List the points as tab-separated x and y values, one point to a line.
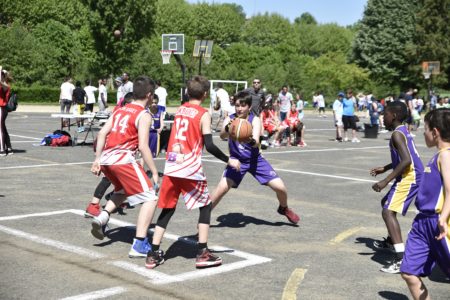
423	251
400	196
259	168
153	143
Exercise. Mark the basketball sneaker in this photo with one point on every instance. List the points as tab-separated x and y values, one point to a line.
206	259
92	210
2	153
393	267
289	213
302	144
154	258
139	248
99	226
384	245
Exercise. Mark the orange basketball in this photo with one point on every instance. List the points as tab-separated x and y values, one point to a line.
240	130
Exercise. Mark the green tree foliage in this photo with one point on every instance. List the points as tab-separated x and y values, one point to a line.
267	30
173	16
134	19
305	19
386	30
433	36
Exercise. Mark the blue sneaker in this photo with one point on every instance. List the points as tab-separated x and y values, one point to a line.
139	248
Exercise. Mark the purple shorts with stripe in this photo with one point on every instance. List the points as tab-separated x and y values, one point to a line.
400	196
153	143
259	167
423	251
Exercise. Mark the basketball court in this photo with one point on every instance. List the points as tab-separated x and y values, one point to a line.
48	251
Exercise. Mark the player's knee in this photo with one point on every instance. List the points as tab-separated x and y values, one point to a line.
388	214
410	279
164	217
205	214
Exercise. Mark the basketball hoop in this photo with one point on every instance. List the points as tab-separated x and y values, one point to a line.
207	59
426	75
165	54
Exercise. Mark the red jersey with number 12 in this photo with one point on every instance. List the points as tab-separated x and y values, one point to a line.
184	152
122	141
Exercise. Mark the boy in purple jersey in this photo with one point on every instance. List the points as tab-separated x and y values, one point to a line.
407	172
429	238
157	113
251	160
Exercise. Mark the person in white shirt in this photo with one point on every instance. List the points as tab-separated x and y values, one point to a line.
125	86
284	99
338	110
102	96
162	94
90	89
321	104
65	97
223	99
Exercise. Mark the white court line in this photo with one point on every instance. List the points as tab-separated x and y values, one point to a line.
98	294
309	173
52	243
16	142
154	276
26	137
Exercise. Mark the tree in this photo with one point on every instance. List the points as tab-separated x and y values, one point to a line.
305	19
267	30
433	36
134	19
386	30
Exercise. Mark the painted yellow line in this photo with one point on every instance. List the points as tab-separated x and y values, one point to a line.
345	234
290	289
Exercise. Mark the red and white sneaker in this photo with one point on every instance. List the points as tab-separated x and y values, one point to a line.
289	213
302	144
206	259
92	210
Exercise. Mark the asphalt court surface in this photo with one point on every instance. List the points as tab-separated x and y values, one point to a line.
47	251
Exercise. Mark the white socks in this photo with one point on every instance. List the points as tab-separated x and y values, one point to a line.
103	217
399	247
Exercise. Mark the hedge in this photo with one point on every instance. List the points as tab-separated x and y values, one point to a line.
46	94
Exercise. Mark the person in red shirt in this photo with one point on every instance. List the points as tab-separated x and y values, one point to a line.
270	122
183	173
126	132
5	90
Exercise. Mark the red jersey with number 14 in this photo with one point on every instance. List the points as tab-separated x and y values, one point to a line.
184	151
122	141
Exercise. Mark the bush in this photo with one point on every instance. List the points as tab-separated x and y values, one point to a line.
47	95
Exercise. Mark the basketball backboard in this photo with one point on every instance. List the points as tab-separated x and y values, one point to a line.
431	67
203	48
173	42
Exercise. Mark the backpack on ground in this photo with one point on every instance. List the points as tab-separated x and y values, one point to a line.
12	104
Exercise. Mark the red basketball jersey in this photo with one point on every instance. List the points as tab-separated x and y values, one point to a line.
267	117
293	117
122	141
184	151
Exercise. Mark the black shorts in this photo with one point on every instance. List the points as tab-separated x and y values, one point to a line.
89	107
321	109
349	122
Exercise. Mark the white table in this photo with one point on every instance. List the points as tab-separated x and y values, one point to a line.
72	119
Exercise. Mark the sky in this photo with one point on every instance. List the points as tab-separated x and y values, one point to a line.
342	12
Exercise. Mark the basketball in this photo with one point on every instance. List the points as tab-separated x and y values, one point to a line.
241	130
117	33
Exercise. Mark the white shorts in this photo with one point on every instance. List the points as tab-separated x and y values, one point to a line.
338	120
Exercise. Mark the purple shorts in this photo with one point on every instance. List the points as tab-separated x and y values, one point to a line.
258	167
423	251
153	143
400	196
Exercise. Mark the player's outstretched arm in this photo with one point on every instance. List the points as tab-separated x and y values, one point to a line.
101	140
444	160
205	123
399	142
256	130
143	136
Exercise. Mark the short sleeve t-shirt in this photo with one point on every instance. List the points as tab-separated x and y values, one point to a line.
348	107
67	91
90	93
102	90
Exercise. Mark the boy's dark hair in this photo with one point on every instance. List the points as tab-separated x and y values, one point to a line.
399	108
128	98
87	82
158	82
143	85
243	97
197	87
439	119
220	85
78	84
156	97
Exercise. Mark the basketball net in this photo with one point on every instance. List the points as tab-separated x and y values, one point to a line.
426	75
165	54
207	59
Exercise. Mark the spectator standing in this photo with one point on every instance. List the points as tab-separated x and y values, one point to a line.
162	94
321	104
284	99
338	109
300	106
65	97
90	90
79	97
127	84
258	96
5	91
348	116
102	96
